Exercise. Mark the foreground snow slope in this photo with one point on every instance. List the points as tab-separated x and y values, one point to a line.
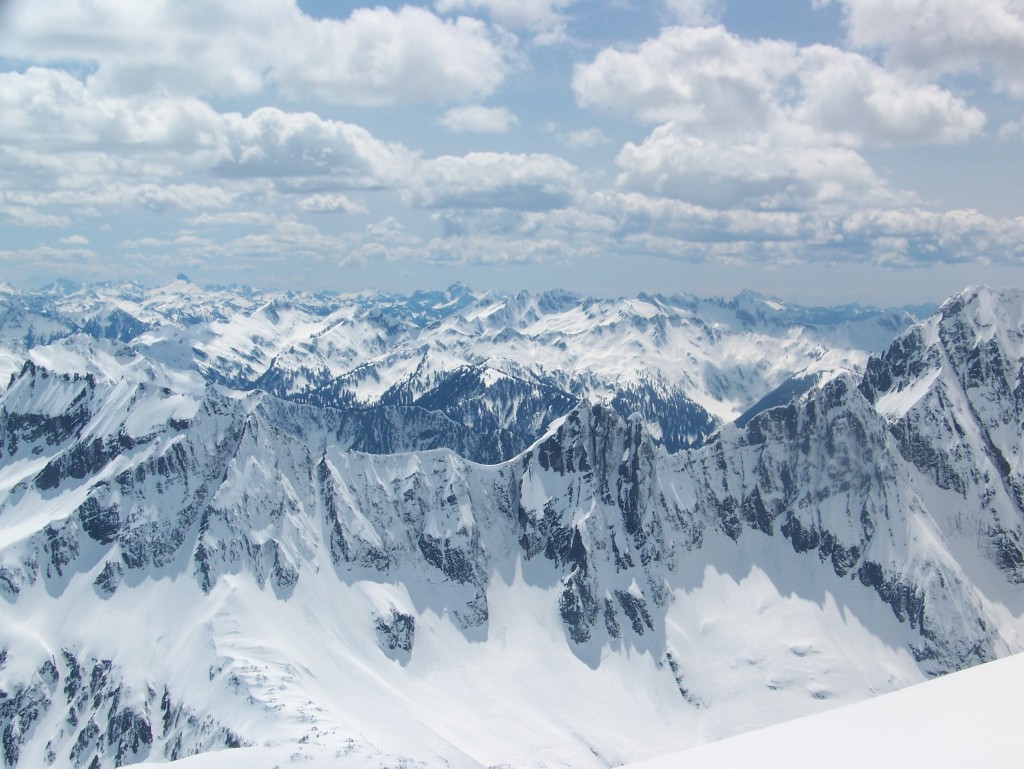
970	718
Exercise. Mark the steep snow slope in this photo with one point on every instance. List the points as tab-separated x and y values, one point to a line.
25	321
965	719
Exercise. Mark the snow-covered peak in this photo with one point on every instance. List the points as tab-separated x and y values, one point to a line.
982	315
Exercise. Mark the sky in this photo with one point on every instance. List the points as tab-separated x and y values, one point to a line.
822	151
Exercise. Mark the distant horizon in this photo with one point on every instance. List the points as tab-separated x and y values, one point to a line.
76	285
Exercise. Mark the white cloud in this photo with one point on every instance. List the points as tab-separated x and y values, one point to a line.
756	148
275	144
1012	130
938	36
585	138
914	234
894	236
655	219
850	97
327	203
220	47
50	256
544	18
50	109
756	173
72	146
477	119
494	180
288	241
760	141
99	195
67	144
695	12
692	75
481	250
185	197
713	81
29	216
497	236
378	56
232	218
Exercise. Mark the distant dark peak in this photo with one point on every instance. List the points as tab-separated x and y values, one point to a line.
459	289
749	295
918	311
61	287
660	301
557	300
272	310
789	390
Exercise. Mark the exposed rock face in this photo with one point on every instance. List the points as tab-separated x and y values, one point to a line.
104	722
396	631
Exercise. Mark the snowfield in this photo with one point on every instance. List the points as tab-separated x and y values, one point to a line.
969	718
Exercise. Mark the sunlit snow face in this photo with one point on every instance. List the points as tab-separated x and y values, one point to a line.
818	151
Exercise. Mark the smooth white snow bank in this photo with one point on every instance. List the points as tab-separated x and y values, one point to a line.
969	718
966	719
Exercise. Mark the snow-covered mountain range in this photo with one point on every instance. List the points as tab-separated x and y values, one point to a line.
477	529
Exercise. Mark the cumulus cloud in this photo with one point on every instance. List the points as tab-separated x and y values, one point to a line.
714	81
755	148
695	12
756	173
326	203
50	109
644	218
1011	130
81	148
850	97
760	140
379	56
220	47
185	197
477	119
68	258
914	235
30	216
938	36
494	180
276	144
584	138
232	219
76	146
543	18
689	74
894	236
